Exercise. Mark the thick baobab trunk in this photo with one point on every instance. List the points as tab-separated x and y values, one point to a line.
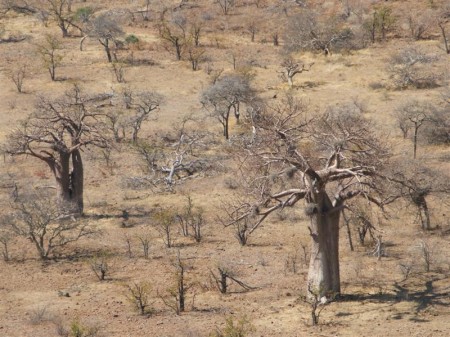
77	181
323	274
69	181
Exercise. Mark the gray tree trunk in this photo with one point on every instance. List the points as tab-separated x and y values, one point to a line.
323	274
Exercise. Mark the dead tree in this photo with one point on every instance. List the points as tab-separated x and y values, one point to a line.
325	161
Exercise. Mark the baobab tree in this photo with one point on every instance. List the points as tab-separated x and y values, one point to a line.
325	161
55	133
225	96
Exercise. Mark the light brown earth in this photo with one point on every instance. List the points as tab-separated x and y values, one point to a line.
376	302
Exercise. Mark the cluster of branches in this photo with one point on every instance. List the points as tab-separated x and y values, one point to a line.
45	225
178	156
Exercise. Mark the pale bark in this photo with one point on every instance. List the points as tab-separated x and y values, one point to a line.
323	273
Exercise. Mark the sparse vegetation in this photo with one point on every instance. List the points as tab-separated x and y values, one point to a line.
221	191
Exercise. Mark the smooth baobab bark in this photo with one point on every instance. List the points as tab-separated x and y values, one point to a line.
323	273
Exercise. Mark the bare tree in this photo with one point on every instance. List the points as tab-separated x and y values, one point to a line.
50	53
339	162
107	31
416	182
309	31
139	296
411	67
419	23
56	133
196	55
192	218
413	115
175	33
60	11
45	225
18	75
225	96
442	21
292	68
165	220
100	266
226	5
176	295
145	105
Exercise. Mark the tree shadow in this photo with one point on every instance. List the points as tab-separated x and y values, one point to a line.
423	299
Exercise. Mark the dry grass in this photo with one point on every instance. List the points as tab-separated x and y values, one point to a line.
376	301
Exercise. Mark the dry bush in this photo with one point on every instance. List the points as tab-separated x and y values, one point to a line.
100	266
240	328
139	295
411	68
40	315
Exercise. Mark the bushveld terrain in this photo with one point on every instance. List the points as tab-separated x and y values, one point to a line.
395	280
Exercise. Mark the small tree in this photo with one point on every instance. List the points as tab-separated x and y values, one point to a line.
45	225
175	33
291	69
18	75
225	97
413	115
139	296
106	31
226	5
60	11
50	53
226	273
196	55
175	298
145	104
165	220
442	22
100	266
192	218
416	182
6	237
